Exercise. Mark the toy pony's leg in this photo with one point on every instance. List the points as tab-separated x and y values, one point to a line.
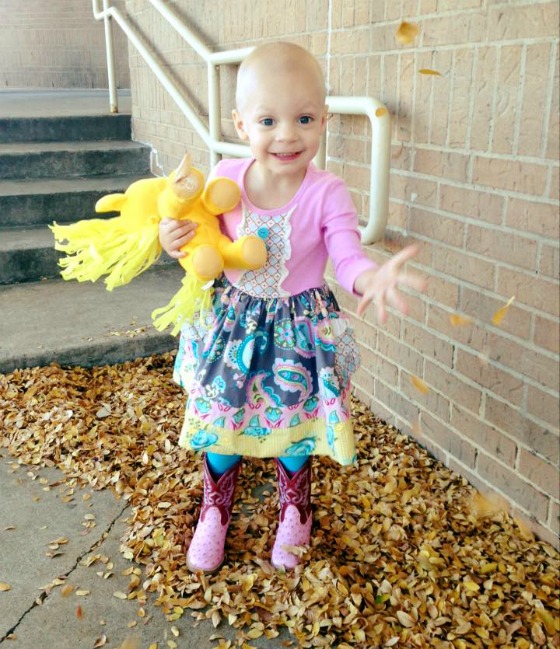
247	252
204	263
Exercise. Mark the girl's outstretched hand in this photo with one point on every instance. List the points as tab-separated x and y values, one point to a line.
174	234
381	285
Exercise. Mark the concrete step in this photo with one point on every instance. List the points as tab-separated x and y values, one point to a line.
64	128
28	255
25	203
84	324
68	159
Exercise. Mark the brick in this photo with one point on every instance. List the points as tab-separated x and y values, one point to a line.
482	307
449	164
453	386
443	291
484	88
466	267
512	175
543	405
435	402
513	485
448	230
534	291
552	150
502	245
395	401
540	472
459	109
427	343
527	20
495	380
506	106
547	334
413	189
554	192
519	427
484	436
446	437
532	216
549	263
395	350
484	206
453	29
439	87
534	102
554	522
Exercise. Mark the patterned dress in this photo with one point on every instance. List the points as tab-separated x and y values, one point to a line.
267	373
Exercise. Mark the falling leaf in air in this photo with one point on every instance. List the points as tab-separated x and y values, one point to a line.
501	312
428	71
407	32
419	384
381	111
457	320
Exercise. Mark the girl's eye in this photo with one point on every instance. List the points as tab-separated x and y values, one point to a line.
267	121
305	119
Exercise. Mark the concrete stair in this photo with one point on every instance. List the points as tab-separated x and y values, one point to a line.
54	167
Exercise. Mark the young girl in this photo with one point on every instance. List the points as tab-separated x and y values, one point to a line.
270	375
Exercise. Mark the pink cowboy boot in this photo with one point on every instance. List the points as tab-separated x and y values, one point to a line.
295	514
206	551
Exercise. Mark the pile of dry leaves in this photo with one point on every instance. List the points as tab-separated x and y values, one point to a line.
404	552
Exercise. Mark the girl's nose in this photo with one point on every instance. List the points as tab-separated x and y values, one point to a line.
285	132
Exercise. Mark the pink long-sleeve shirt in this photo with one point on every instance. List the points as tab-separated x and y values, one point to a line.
319	222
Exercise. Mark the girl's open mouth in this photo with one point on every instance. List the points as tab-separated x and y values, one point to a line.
287	156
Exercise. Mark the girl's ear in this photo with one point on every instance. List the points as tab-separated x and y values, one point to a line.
238	123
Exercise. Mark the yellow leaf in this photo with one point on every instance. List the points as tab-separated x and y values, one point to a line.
380	112
419	384
4	587
501	312
428	72
131	642
459	320
407	32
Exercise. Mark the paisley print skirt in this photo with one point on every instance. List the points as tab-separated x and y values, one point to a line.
269	377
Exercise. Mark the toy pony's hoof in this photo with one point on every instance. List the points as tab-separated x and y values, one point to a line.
205	263
254	253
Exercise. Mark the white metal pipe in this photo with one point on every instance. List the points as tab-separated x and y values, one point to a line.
110	55
380	121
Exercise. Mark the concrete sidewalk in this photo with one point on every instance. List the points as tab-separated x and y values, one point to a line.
46	532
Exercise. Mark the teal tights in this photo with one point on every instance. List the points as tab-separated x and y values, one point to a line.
221	463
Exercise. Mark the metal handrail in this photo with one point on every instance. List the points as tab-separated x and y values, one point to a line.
211	135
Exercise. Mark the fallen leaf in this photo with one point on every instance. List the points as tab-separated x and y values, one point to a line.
4	587
100	642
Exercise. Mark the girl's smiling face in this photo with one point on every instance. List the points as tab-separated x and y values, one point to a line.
283	116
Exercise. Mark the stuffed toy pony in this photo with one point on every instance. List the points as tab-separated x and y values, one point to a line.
124	246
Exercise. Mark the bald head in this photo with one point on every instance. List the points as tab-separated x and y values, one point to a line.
274	59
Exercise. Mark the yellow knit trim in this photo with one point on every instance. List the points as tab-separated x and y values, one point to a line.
232	442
